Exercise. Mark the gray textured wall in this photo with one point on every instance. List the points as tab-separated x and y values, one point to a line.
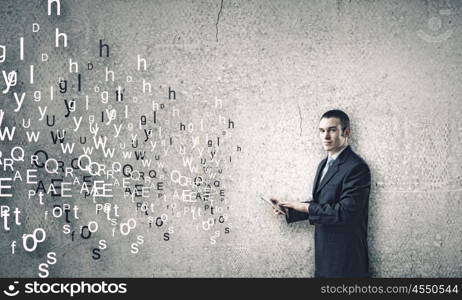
393	66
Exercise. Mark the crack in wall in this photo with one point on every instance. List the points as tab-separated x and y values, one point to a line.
301	118
218	19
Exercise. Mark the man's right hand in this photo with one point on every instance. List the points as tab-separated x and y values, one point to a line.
277	212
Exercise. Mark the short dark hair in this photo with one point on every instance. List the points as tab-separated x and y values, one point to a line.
342	116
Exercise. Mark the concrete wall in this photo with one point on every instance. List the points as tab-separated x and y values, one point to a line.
393	66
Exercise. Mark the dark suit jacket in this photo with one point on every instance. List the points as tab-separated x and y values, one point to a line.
339	212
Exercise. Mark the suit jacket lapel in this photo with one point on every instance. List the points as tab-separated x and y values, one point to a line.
318	173
332	170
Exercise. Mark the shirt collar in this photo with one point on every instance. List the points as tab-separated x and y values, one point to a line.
334	157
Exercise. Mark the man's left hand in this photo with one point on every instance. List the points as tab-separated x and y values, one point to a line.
298	206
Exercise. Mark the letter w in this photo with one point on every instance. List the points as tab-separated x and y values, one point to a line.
188	162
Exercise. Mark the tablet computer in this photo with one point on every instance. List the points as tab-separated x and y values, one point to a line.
275	206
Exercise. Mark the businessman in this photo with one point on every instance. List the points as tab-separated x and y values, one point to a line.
339	205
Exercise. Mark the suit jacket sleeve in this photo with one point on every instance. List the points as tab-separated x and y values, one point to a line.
295	215
352	202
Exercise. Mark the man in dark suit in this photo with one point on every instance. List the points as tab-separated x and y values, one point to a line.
339	205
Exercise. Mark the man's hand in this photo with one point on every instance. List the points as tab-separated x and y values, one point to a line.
299	206
277	202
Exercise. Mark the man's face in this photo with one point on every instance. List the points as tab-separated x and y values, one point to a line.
330	131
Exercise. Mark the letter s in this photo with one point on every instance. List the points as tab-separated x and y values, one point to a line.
44	268
166	236
51	258
102	244
66	228
122	288
96	254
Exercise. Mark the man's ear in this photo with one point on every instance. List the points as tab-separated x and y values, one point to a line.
346	132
